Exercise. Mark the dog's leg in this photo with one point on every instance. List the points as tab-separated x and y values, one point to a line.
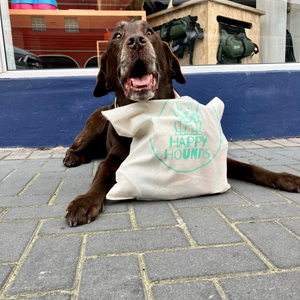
80	152
85	208
283	181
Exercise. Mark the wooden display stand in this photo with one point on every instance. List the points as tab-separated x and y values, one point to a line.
207	11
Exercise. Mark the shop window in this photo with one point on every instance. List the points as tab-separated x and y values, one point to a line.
74	33
71	25
38	24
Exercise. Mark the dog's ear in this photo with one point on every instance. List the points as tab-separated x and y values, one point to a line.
102	87
173	64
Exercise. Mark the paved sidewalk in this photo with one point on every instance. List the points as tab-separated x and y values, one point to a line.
244	244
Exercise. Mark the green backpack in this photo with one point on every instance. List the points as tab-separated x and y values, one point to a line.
234	45
181	32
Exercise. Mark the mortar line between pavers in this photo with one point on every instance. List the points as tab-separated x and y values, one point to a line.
242	196
29	183
249	243
78	275
3	213
145	279
163	250
223	276
265	220
183	226
101	232
220	289
47	162
217	206
287	229
12	172
37	294
52	199
5	155
132	216
21	261
285	198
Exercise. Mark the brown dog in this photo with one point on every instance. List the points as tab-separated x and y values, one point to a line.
137	66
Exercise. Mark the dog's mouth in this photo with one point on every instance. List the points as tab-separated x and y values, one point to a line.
140	85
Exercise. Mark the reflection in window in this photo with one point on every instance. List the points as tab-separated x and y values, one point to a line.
58	62
38	24
71	25
92	63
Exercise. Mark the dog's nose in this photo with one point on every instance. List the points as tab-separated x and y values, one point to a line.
136	41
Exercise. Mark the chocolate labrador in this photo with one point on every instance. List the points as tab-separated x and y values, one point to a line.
137	66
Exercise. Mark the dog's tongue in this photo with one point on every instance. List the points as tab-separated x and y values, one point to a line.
139	81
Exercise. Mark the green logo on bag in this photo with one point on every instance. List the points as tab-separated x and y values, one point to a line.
179	141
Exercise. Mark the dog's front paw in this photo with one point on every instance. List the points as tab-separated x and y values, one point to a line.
287	182
71	160
83	210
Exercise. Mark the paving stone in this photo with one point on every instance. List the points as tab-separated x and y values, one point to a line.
293	224
102	223
31	165
73	187
55	165
153	214
24	200
267	143
280	247
60	153
3	154
85	170
14	237
36	212
207	227
274	157
201	262
232	145
4	273
137	240
195	290
15	183
227	198
292	196
23	154
51	265
111	278
241	153
43	186
261	212
284	169
286	142
257	194
272	287
37	154
248	144
115	206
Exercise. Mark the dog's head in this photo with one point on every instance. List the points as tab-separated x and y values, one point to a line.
137	65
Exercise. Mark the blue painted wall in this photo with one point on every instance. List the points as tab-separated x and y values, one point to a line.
46	112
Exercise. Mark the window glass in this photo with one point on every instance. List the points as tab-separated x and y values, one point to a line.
73	33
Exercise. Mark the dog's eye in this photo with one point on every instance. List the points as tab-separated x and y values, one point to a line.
117	36
149	32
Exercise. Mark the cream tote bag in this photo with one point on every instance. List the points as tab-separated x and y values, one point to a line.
178	149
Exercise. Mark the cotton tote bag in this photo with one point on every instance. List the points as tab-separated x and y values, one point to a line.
178	149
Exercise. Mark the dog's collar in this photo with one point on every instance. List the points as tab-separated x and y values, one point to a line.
117	105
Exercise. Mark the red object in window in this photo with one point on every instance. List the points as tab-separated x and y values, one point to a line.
107	35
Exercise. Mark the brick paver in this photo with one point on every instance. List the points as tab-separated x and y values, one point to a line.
243	244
